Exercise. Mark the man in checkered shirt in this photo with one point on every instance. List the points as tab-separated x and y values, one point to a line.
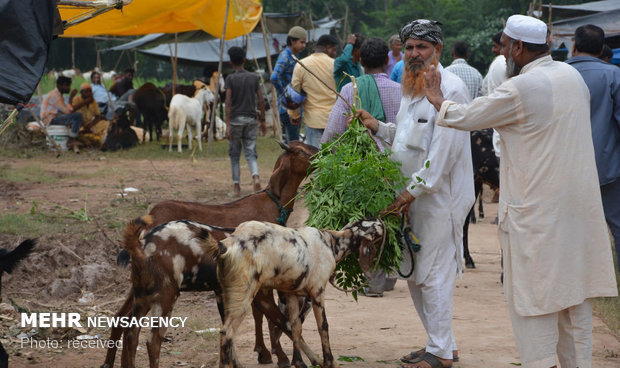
469	74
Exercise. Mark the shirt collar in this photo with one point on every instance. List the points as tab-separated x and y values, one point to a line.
459	61
532	64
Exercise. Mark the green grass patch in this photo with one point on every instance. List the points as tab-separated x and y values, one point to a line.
608	309
26	174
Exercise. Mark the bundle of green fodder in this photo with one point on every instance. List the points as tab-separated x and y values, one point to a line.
352	180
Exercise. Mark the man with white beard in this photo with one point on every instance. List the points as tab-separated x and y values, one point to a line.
551	225
442	197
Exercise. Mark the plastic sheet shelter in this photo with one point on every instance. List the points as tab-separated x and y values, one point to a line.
27	31
143	17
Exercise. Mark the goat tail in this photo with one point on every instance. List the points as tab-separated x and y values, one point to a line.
10	260
131	241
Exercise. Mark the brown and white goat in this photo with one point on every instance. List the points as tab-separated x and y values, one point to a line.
290	169
297	262
173	258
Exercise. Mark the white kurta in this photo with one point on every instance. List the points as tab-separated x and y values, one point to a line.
550	202
443	201
494	78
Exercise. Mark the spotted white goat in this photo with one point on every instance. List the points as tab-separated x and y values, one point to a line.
188	110
297	262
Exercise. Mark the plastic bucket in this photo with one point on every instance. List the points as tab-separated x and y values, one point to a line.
60	134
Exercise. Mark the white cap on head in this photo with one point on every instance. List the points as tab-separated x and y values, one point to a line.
526	29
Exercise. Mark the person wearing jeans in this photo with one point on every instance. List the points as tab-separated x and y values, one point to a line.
242	93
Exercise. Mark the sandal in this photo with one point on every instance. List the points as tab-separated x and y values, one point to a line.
429	358
414	356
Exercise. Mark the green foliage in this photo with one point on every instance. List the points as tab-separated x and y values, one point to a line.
353	180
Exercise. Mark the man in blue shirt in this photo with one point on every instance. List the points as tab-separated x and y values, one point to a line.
397	72
603	81
349	61
282	74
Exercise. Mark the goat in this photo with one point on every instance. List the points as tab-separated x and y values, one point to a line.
122	136
184	110
297	262
8	262
272	204
486	170
173	259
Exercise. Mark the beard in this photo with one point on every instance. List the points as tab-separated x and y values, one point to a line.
413	75
511	68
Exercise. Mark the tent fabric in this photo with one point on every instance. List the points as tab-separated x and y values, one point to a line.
276	23
209	51
567	11
27	31
563	31
615	59
142	17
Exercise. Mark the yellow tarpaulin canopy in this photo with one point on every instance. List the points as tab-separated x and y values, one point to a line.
166	16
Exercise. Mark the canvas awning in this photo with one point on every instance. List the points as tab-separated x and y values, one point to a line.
276	23
208	51
164	16
563	31
571	11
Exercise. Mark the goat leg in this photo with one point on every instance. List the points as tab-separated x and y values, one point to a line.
318	307
273	314
292	309
116	332
264	357
153	347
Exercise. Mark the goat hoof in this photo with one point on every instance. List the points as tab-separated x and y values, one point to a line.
284	364
264	357
470	264
300	365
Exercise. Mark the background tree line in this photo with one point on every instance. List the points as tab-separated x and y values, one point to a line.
474	21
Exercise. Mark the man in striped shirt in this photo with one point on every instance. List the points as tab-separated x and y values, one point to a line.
469	74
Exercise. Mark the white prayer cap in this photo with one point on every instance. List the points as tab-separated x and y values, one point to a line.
526	29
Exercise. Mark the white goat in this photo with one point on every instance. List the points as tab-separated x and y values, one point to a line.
294	261
188	110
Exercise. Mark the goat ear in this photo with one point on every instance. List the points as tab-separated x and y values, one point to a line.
367	253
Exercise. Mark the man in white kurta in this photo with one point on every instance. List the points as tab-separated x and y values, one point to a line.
443	198
551	225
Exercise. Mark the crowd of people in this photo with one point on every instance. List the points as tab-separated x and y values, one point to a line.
557	131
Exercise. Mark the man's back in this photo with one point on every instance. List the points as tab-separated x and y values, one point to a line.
469	75
319	99
243	85
603	81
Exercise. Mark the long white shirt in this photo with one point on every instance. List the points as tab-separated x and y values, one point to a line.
550	202
446	194
494	78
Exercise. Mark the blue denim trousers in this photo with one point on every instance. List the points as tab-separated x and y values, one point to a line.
313	136
74	120
243	134
291	132
610	194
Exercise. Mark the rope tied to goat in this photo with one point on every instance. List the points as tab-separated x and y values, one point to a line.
284	213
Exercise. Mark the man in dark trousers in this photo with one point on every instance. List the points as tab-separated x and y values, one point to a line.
242	92
603	81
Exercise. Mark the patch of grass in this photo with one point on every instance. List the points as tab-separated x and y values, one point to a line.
31	173
608	309
28	225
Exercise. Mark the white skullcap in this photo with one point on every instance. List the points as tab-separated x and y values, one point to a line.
526	29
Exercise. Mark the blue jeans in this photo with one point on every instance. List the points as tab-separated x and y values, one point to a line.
73	119
313	136
610	194
243	132
291	132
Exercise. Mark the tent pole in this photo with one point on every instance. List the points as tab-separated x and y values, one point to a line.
277	127
219	73
174	63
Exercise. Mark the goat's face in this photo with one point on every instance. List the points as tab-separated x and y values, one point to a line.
371	235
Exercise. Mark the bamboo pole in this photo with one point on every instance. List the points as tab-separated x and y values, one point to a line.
219	73
277	127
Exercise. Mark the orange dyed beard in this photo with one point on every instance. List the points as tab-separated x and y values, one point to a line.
413	81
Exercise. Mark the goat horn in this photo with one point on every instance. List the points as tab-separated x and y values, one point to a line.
283	145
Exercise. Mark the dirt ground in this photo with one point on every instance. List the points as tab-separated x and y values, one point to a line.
72	272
